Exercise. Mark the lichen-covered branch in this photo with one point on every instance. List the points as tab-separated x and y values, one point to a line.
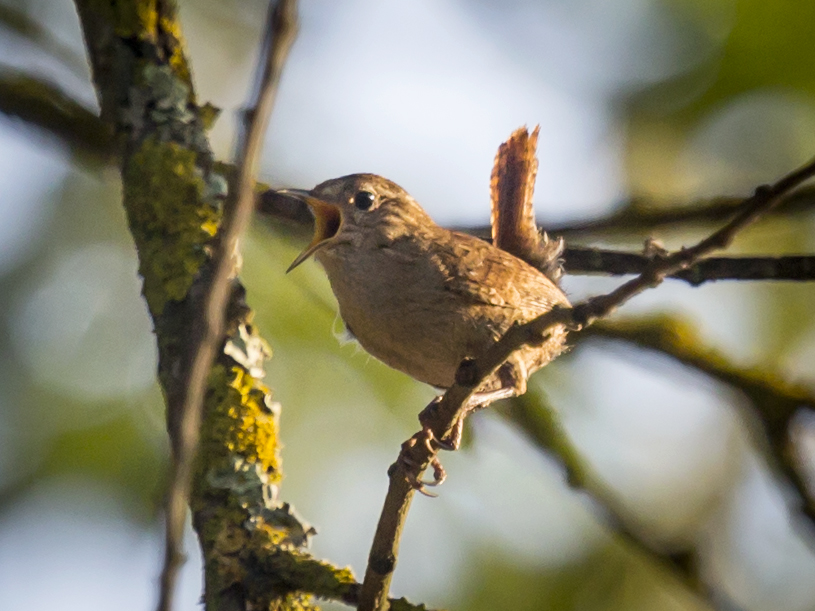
209	323
174	195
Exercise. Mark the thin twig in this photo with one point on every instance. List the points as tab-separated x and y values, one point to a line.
384	550
281	30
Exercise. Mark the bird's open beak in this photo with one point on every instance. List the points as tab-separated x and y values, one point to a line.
326	222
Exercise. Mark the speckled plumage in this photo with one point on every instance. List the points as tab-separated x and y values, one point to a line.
421	298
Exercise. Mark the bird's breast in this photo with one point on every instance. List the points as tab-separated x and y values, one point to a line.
398	306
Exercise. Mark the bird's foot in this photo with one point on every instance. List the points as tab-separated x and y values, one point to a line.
410	466
450	443
433	444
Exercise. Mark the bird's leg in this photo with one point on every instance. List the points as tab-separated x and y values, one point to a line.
426	438
512	375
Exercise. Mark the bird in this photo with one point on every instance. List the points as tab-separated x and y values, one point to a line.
422	298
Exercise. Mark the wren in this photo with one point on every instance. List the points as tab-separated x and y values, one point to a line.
419	297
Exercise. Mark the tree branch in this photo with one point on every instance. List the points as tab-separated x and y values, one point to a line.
45	106
450	409
173	193
533	414
582	260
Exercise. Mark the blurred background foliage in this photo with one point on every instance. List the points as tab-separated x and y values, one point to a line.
666	101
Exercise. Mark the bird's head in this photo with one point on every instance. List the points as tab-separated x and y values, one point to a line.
357	204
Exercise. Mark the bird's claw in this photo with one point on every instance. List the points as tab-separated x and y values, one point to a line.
450	443
409	466
420	485
453	442
432	444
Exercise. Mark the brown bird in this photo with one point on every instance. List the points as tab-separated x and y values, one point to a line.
419	297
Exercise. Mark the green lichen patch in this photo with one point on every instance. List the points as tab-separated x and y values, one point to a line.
287	570
155	22
173	39
161	103
170	222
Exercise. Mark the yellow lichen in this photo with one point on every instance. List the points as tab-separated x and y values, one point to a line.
171	27
147	18
254	435
239	423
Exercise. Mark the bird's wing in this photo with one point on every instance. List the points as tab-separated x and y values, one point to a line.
484	274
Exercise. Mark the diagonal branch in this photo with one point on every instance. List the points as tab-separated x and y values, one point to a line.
281	30
46	106
539	421
773	401
449	410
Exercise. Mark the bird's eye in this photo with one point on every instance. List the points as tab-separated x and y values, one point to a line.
364	200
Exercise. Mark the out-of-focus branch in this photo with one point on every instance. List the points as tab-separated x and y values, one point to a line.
45	106
772	400
451	407
533	414
582	260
